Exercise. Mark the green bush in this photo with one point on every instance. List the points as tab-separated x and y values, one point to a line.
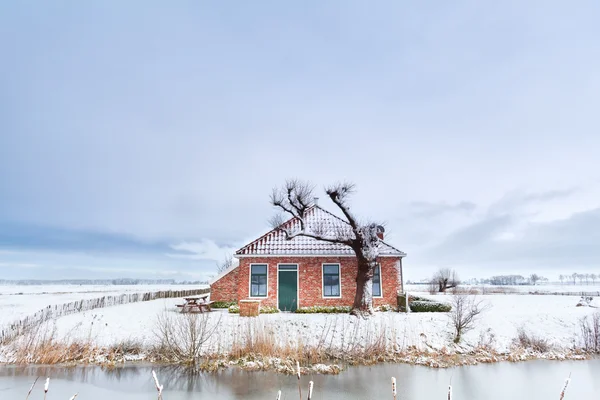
324	310
429	306
269	310
234	309
223	304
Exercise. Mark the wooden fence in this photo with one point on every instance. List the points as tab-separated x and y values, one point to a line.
582	294
59	310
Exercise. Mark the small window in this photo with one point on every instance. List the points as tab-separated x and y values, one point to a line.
258	280
288	267
377	281
331	280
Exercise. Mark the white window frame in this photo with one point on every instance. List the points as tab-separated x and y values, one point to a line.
297	282
380	284
323	280
250	282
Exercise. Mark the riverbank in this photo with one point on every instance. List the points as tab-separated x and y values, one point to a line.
532	381
513	328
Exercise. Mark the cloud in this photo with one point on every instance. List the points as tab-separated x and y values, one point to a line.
203	250
519	200
428	209
557	245
18	265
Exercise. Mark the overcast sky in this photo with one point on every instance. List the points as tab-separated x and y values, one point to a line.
142	139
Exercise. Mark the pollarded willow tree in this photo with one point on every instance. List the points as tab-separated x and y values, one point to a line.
296	198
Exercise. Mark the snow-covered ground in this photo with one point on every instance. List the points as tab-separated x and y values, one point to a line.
19	301
540	288
555	318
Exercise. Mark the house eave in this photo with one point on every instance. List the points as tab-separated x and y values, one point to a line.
238	256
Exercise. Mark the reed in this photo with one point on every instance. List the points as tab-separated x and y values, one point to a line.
159	387
46	385
298	374
562	393
31	388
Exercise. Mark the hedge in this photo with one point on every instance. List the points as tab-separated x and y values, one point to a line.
429	306
222	304
323	310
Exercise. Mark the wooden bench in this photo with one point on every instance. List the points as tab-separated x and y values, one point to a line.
195	304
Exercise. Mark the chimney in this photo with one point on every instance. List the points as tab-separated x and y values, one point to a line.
316	201
380	231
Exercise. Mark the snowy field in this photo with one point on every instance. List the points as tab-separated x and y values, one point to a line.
540	288
19	301
551	317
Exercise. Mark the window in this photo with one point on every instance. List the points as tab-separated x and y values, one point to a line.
258	280
377	281
331	280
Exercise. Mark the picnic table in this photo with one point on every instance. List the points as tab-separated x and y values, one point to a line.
195	304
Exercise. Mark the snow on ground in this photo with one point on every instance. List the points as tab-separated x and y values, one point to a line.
540	288
19	301
551	317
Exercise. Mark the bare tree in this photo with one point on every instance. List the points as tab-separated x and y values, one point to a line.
574	276
581	277
296	198
180	337
534	278
593	277
225	264
561	278
465	311
445	278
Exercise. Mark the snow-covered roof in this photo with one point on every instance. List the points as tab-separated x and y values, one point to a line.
275	242
223	273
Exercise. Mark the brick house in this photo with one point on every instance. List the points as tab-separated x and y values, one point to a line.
304	272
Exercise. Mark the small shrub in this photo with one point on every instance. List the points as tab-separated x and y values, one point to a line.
527	341
234	309
590	333
386	308
429	306
324	310
223	304
465	312
269	310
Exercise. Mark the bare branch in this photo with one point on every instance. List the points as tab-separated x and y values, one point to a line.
339	194
295	199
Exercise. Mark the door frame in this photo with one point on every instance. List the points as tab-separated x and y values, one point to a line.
297	282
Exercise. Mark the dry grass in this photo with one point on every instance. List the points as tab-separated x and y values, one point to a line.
256	339
40	344
531	342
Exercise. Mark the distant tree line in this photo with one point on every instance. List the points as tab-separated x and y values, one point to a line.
574	277
120	281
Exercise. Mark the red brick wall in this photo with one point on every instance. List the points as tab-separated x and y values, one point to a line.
226	288
310	291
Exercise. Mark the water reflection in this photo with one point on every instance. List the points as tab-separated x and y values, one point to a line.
530	380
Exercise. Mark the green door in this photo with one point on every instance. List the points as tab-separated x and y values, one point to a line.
288	290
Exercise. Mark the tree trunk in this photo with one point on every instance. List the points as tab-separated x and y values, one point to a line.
363	300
